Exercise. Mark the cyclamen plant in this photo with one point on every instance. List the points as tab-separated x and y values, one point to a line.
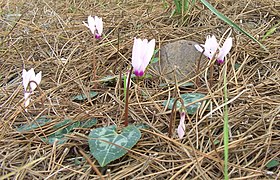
211	46
181	127
30	81
95	24
142	53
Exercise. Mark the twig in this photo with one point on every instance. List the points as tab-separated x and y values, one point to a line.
91	164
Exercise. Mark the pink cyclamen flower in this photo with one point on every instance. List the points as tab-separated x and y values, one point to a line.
211	46
95	24
181	128
142	53
30	82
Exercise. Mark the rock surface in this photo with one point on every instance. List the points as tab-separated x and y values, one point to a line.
177	59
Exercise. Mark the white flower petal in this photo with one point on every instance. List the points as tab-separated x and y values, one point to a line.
142	53
198	47
211	46
37	79
25	79
91	24
181	128
136	53
26	103
26	95
27	99
225	49
148	54
85	24
99	25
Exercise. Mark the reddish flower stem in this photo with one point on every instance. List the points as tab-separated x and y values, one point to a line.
172	118
127	97
94	62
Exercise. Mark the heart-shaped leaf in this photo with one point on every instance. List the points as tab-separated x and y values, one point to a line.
89	123
185	85
59	138
66	127
60	129
81	97
41	121
106	143
188	98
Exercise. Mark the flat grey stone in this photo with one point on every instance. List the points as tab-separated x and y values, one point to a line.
177	59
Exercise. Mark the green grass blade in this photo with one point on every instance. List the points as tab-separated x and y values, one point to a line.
178	6
271	30
125	85
182	6
186	5
231	23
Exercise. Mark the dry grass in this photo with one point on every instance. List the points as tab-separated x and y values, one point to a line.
47	31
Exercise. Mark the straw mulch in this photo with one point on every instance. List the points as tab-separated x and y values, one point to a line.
43	34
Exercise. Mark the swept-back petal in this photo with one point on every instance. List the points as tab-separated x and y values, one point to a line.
137	53
148	54
225	49
211	41
25	79
27	101
85	24
181	130
198	47
181	127
142	53
26	98
32	76
91	21
26	95
99	25
91	24
37	79
211	46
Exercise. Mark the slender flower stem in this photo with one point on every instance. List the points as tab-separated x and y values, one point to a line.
197	81
94	61
173	112
40	91
126	97
226	126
